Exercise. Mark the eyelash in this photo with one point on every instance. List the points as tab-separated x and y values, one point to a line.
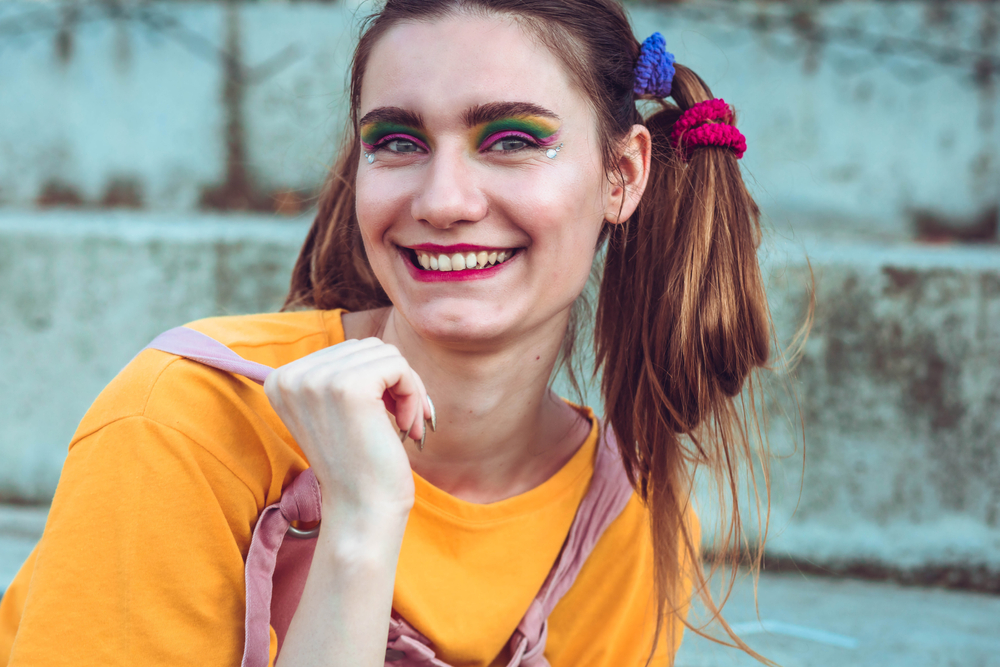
485	146
509	134
388	139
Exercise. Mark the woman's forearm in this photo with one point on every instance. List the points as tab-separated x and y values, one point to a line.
343	616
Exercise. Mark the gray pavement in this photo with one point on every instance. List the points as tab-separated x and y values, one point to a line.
804	621
811	621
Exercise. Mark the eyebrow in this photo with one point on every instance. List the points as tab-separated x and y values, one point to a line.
477	115
486	113
392	115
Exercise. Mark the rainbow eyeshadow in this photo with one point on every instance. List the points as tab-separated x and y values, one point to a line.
541	130
372	134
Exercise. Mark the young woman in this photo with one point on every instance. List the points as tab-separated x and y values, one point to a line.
495	148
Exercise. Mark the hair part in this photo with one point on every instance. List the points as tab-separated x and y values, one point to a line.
682	320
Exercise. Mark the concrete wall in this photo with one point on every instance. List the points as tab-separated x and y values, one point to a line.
81	294
899	385
866	121
899	388
867	116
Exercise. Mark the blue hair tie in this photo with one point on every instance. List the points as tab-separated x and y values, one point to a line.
654	70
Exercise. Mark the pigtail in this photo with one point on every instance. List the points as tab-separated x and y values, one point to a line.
682	321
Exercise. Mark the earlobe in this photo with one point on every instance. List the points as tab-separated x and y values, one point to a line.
631	175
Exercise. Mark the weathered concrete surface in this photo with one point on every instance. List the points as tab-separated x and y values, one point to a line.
20	529
847	110
899	385
899	388
81	294
826	622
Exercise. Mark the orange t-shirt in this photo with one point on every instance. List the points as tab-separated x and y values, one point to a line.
141	561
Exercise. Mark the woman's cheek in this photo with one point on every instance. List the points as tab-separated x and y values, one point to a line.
378	204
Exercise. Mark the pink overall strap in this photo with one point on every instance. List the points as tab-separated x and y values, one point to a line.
609	492
197	346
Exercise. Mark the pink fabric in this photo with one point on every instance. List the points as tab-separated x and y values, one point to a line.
197	346
724	136
300	501
693	129
276	568
702	112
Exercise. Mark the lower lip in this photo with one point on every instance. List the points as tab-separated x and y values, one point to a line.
428	276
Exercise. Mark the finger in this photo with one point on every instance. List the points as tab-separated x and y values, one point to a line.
389	401
427	408
295	370
354	371
408	411
423	412
389	378
406	401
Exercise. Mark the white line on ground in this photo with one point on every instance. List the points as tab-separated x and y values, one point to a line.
798	631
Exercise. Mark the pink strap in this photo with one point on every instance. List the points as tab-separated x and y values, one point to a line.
275	564
300	501
607	496
197	346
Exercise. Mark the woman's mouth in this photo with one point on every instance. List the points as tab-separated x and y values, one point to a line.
474	260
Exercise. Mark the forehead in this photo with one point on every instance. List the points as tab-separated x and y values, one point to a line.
441	67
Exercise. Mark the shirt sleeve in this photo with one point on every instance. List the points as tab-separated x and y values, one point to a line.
141	561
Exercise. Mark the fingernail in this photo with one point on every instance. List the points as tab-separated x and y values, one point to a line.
420	445
402	436
433	419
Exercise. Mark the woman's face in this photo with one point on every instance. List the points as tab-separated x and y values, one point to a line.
462	115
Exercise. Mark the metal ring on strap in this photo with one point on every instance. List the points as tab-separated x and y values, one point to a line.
303	534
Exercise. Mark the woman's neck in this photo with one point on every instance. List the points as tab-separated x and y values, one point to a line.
500	430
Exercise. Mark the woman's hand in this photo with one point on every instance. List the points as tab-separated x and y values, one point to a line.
340	404
337	405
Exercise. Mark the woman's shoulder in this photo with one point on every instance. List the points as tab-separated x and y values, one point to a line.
274	339
214	409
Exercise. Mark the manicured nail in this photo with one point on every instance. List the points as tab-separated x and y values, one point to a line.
420	445
433	420
402	436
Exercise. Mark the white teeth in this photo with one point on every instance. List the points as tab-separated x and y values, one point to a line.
462	261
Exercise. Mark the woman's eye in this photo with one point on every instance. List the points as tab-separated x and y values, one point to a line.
509	144
402	146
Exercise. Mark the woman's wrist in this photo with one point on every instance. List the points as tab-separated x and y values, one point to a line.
362	537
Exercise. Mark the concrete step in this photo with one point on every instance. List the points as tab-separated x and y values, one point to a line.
20	529
810	621
898	385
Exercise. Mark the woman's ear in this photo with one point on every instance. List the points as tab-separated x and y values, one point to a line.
630	176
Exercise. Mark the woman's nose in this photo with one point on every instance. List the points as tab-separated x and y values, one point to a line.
451	194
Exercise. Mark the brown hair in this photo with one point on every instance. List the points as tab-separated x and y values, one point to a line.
682	318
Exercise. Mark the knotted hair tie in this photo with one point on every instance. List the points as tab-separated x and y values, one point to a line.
654	70
693	130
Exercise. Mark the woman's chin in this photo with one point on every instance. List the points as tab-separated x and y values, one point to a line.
459	323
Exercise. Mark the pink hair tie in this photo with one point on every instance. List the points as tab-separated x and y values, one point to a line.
693	129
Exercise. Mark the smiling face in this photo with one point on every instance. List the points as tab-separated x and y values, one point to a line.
460	117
